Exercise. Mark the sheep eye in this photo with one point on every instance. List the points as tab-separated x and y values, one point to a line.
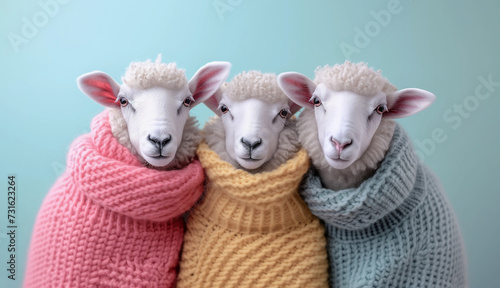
224	109
316	102
283	113
187	102
381	109
123	102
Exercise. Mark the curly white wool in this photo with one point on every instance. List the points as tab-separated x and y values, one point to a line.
355	77
148	74
254	84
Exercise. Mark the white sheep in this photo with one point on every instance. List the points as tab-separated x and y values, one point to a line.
252	229
255	130
161	133
387	218
111	220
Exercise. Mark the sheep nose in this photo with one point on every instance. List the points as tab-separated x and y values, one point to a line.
160	143
251	145
339	145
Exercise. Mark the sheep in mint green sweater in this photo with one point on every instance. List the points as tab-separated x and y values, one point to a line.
388	221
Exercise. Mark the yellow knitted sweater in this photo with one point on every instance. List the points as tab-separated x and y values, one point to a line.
253	230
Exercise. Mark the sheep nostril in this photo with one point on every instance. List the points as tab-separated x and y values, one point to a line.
166	140
256	143
159	143
341	145
251	145
155	141
244	142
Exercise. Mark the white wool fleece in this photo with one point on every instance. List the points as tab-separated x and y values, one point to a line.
355	77
147	74
254	84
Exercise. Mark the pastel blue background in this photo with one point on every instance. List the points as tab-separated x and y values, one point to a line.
437	46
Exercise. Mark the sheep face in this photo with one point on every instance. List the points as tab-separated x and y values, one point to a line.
252	129
346	123
345	120
155	119
155	113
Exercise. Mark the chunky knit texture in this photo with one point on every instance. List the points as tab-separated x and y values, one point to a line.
253	230
396	229
109	221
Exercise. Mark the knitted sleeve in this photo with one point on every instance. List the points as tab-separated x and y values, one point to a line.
359	207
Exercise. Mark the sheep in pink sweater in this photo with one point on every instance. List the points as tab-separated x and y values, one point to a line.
114	218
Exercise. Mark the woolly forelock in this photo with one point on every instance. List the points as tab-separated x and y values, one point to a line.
354	77
254	84
147	74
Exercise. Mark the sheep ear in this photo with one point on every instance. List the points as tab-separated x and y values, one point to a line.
100	87
299	88
213	101
407	102
294	108
207	80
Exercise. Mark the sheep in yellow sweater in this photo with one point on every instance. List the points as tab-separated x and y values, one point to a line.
252	229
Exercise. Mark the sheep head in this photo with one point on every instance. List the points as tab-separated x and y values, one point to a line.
349	103
254	112
155	99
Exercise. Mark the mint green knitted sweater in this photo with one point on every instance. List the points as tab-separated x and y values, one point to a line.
396	229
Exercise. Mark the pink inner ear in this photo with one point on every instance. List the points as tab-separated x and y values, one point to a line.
104	85
205	82
301	88
406	105
103	93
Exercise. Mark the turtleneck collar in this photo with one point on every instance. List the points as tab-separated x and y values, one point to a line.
110	175
380	202
262	202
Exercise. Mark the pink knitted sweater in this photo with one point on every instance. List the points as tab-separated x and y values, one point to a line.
109	221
